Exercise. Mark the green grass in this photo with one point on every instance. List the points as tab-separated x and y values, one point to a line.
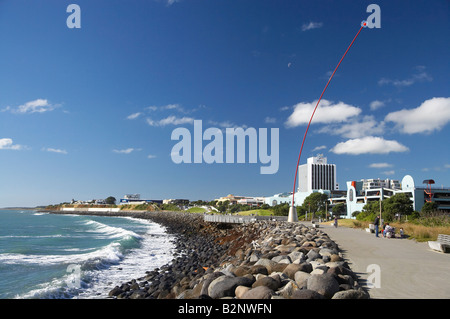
259	212
196	210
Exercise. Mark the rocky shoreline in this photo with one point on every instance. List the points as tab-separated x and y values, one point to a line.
259	260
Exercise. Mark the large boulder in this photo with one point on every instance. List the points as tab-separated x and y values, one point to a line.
225	286
268	282
312	255
240	291
301	278
324	284
269	264
291	269
351	294
208	280
258	269
260	292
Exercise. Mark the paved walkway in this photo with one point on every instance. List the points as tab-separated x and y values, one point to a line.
408	269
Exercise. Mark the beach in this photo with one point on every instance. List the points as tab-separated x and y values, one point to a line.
258	260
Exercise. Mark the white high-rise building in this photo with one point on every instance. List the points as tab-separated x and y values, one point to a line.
316	174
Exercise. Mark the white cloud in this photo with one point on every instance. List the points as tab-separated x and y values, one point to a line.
151	156
170	2
419	76
326	112
172	107
318	148
270	120
55	150
133	116
311	25
226	124
368	145
433	114
355	128
126	151
7	144
36	106
380	165
170	120
176	107
389	173
374	105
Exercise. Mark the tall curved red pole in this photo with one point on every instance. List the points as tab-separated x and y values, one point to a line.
307	128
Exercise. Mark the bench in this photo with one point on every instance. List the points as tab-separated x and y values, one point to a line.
371	228
442	243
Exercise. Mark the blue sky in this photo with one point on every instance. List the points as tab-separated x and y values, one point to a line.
87	113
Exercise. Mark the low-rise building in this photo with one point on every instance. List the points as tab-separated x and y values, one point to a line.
135	199
231	198
242	200
252	201
357	196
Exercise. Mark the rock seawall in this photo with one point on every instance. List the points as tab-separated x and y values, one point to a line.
260	260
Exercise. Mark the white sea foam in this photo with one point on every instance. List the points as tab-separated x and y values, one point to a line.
104	268
156	250
35	236
110	253
110	231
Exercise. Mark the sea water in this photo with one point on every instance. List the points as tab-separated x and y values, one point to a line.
47	256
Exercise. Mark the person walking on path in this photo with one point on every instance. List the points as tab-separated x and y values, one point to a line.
335	222
376	223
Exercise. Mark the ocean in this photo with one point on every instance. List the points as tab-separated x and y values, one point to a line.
50	256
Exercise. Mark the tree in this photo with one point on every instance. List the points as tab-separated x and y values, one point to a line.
110	200
428	208
315	203
356	213
400	204
281	209
370	210
339	209
234	208
223	206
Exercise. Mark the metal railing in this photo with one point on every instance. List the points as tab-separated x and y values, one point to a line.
234	219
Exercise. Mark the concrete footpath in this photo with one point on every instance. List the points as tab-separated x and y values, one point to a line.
407	269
